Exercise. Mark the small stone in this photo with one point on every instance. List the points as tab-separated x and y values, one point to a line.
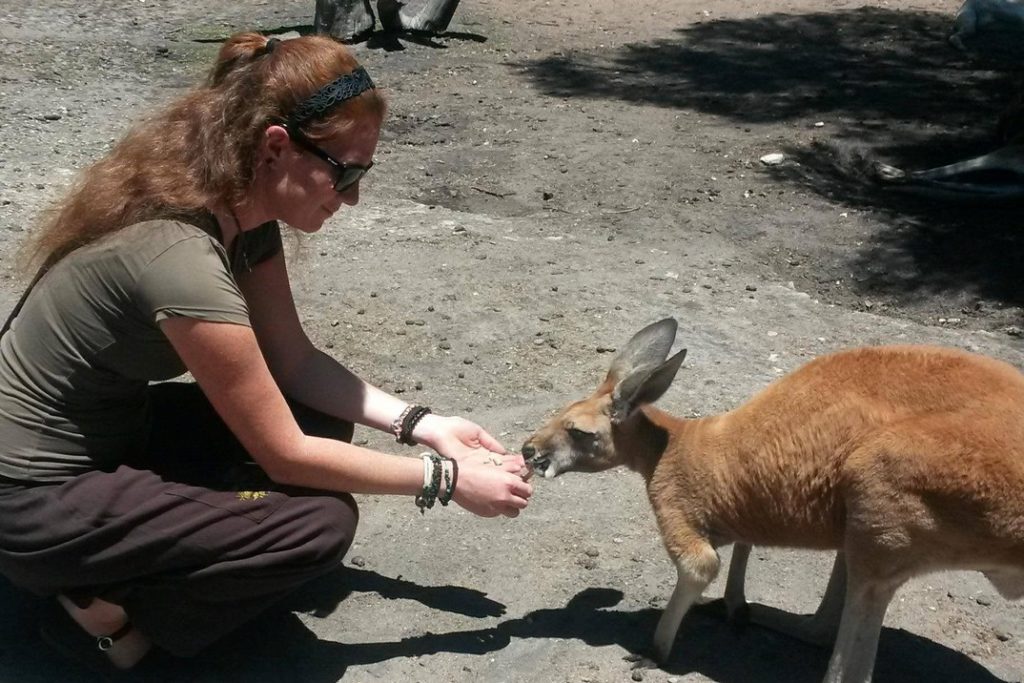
1002	635
467	361
359	561
751	288
416	322
1014	331
592	552
637	675
444	346
983	600
773	159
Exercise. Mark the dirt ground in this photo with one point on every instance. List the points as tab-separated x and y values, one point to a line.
552	177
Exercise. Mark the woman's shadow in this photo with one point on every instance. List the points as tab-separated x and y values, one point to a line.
278	646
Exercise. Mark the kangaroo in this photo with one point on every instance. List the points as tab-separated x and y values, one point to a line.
993	178
904	459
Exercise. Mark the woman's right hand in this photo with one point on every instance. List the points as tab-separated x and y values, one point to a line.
492	486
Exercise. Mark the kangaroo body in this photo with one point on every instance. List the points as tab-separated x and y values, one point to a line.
904	459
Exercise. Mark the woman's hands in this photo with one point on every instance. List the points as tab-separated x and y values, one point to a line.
491	481
490	486
454	437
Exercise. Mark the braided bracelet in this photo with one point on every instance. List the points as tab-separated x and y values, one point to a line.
409	422
432	467
396	425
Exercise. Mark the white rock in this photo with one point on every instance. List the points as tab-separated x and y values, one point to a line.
773	159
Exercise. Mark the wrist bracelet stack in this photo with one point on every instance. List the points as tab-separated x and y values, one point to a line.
435	469
404	424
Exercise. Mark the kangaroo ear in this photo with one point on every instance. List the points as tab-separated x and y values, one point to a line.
647	348
643	387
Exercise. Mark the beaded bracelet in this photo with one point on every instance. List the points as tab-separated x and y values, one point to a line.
432	467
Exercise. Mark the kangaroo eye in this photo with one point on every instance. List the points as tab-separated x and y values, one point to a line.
580	435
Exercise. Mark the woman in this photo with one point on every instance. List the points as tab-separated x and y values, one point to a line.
166	514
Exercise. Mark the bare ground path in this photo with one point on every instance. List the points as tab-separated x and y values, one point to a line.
553	177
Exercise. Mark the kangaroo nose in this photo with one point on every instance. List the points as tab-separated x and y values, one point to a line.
528	451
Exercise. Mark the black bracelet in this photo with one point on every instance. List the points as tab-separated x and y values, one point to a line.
450	483
409	423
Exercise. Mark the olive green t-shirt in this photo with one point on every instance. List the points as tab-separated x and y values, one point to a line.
76	361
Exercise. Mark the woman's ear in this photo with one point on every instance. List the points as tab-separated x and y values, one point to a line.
273	145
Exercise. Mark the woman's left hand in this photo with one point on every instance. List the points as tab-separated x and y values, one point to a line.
462	440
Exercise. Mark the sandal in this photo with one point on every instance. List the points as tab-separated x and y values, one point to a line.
59	630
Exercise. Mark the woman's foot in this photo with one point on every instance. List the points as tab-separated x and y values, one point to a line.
102	618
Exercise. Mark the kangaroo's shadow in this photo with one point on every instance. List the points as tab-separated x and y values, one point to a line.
706	644
278	646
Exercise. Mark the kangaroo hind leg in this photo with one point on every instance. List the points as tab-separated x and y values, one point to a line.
819	628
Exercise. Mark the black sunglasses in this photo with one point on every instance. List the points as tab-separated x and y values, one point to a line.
348	174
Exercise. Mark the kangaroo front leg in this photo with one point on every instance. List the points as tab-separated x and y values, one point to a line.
853	658
694	573
821	627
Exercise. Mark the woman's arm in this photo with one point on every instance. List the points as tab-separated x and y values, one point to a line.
303	372
311	377
229	366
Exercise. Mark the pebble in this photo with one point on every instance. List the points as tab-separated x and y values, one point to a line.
773	159
983	600
637	676
359	561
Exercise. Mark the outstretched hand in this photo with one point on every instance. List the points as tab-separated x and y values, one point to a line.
459	439
491	480
490	486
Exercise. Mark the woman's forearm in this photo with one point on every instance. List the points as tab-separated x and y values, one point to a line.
322	383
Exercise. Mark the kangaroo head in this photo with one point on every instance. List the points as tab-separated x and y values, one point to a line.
581	437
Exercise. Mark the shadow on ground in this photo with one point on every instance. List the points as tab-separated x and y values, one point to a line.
279	647
886	80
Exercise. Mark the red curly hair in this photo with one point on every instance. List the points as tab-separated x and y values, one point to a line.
200	150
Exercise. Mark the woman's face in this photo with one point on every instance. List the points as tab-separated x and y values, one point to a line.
299	186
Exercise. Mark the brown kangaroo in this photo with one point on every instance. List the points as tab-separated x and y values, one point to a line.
905	459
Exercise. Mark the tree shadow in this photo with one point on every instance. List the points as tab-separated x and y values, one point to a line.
885	80
869	66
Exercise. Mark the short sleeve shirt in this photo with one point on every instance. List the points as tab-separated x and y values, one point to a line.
76	361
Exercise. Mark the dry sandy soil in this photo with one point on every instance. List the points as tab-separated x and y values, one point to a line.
554	176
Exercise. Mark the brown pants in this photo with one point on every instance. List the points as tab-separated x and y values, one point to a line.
192	540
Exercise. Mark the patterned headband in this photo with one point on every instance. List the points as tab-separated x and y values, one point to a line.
331	95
